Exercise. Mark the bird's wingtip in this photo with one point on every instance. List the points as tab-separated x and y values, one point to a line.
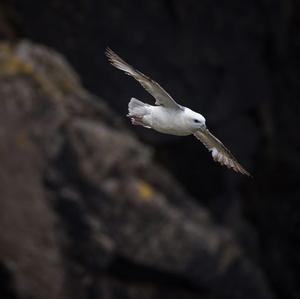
242	170
249	175
108	52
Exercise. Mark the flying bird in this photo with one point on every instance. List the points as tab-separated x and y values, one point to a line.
168	117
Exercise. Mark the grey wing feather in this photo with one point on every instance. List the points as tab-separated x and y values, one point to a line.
219	152
161	96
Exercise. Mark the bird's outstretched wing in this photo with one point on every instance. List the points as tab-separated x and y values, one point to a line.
161	96
219	152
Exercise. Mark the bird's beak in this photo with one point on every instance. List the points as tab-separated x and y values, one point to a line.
203	127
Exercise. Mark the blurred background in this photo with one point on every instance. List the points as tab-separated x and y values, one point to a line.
92	207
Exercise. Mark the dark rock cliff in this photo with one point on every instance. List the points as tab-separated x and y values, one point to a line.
85	212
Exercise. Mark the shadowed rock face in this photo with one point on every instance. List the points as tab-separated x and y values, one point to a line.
85	212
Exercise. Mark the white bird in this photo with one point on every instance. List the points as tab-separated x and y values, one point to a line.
171	118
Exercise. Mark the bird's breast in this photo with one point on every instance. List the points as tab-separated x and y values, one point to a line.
169	121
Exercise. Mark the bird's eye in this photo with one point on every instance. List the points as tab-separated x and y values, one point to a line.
196	121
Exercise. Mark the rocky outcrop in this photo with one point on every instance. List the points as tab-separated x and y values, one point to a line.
85	212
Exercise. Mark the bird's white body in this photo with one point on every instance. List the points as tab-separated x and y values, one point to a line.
172	121
169	121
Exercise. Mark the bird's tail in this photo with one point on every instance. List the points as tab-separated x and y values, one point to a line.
137	108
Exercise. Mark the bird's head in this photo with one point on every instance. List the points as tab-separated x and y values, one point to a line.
195	121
